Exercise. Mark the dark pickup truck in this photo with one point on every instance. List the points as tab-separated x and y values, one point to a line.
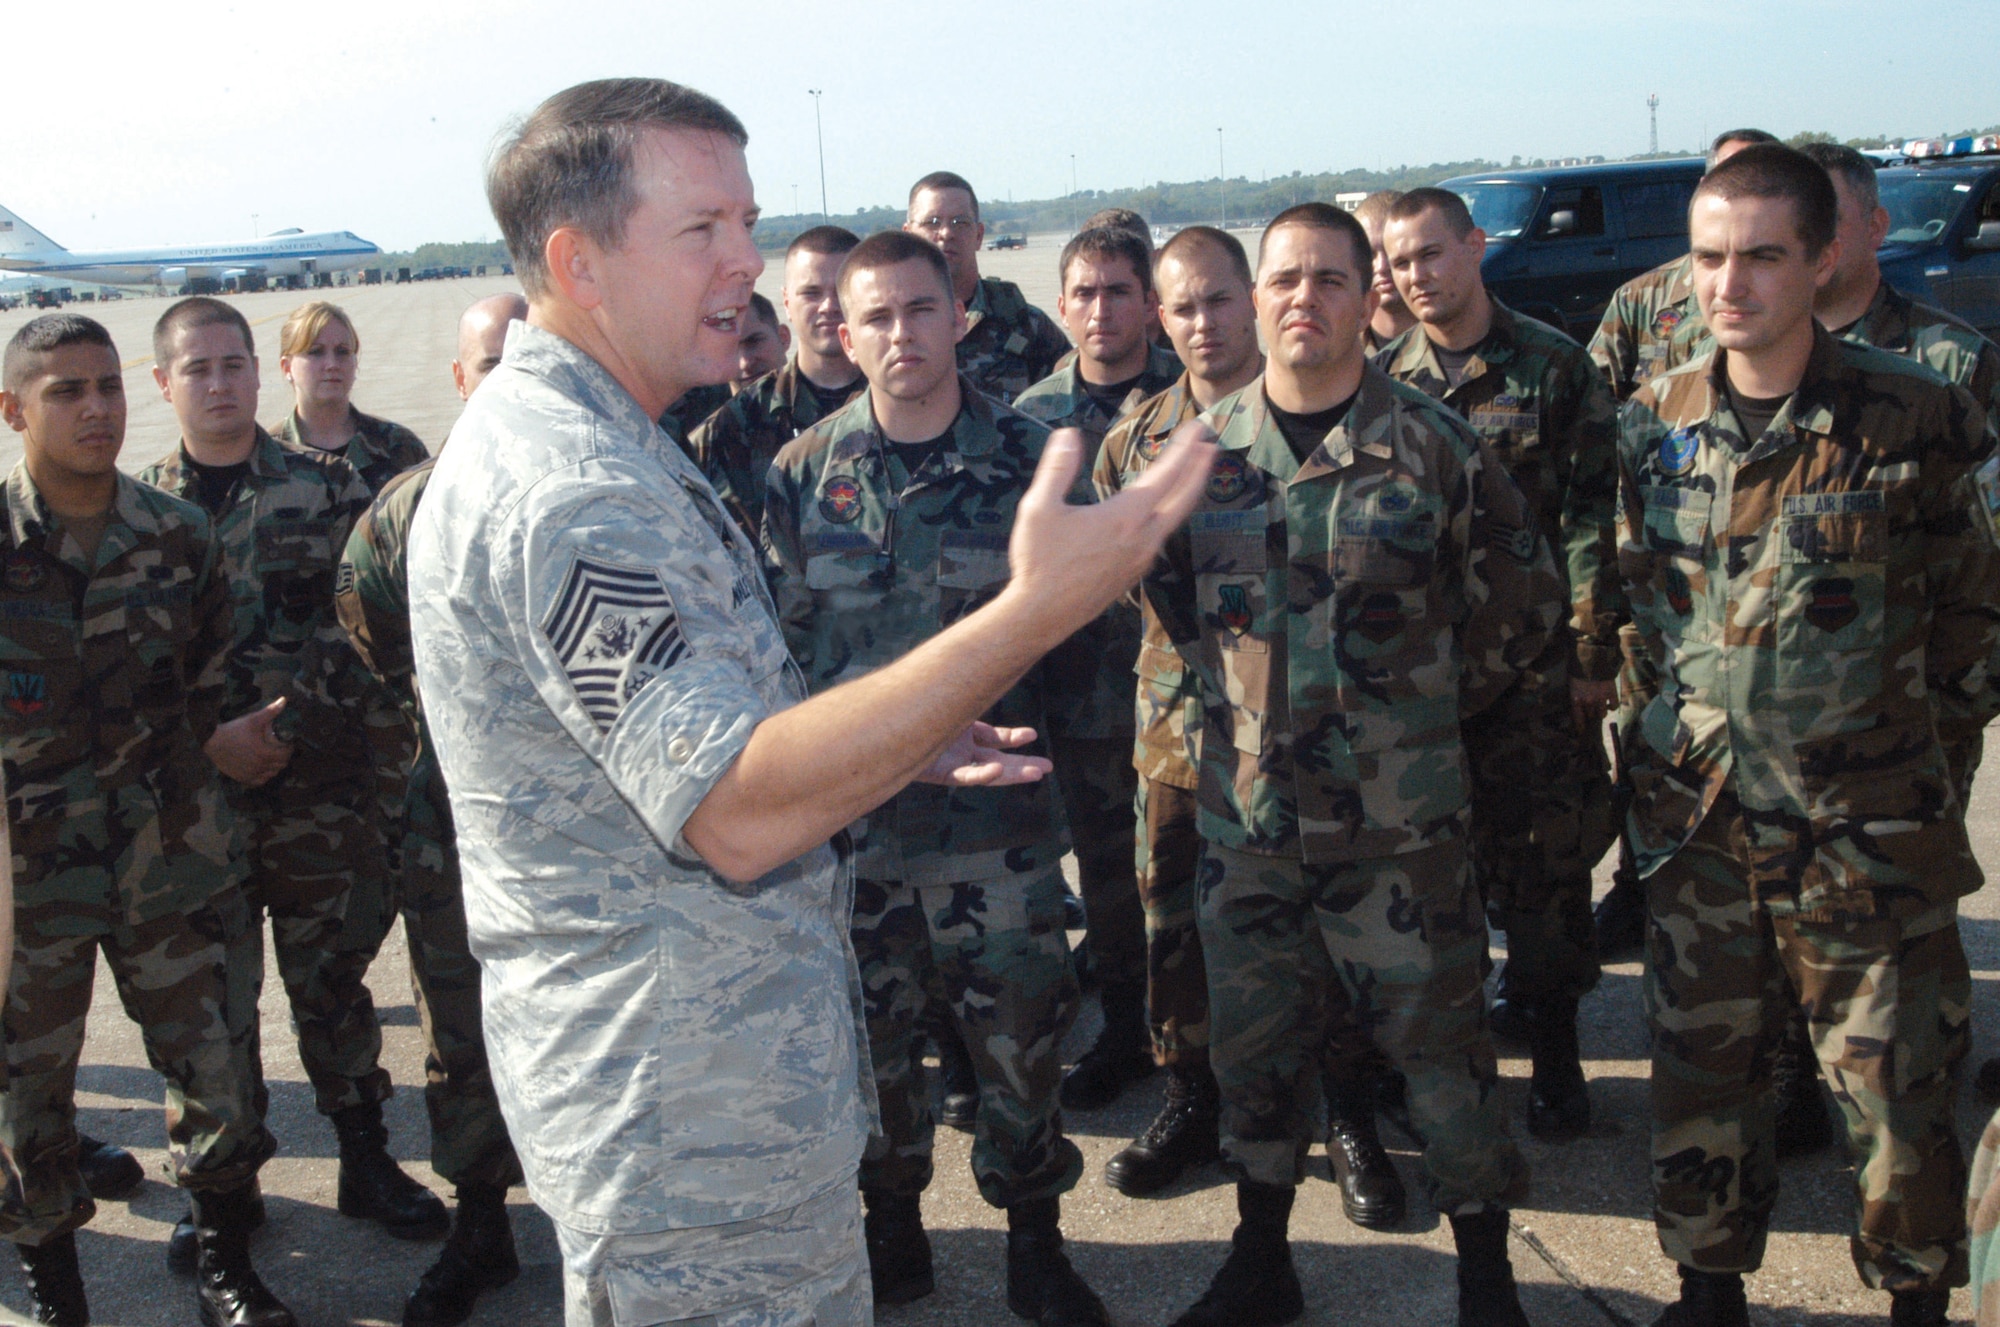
1943	197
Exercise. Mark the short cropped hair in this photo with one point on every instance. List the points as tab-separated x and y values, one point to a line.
887	248
944	179
1120	218
307	321
830	241
1374	209
1189	237
570	163
197	311
1772	170
1416	202
1102	242
1325	216
45	335
1751	136
764	309
1857	168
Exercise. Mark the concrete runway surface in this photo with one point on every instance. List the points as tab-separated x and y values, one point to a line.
1584	1246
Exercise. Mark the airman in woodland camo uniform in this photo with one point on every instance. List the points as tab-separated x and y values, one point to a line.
1812	573
1651	325
1360	577
1109	307
735	446
874	545
1203	280
1541	790
117	623
469	1143
1009	345
282	516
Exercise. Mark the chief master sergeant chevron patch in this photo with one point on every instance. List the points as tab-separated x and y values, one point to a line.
614	629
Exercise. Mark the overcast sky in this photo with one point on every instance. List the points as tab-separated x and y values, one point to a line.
178	126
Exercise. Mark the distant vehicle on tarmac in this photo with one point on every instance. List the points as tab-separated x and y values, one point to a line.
1009	242
1560	240
1943	197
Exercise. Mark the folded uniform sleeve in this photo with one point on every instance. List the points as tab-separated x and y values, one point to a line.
644	637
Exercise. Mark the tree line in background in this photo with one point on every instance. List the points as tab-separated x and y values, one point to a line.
1185	203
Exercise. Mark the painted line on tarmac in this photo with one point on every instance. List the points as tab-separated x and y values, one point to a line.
1568	1277
254	322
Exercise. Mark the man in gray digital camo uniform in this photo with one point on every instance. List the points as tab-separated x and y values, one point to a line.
643	794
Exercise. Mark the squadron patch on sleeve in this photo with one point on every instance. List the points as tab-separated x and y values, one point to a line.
614	629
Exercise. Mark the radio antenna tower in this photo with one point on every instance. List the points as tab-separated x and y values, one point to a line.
1653	111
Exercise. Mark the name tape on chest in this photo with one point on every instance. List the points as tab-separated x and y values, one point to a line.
613	630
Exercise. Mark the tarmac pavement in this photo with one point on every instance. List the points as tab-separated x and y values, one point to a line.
1584	1247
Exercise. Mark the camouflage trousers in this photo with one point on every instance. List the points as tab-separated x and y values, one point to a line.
307	865
1403	939
997	951
1541	819
1887	1001
469	1143
1099	787
1168	862
805	1267
171	977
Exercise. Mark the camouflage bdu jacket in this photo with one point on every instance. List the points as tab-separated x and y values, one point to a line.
1652	324
1010	345
114	680
378	451
281	539
1167	746
371	592
1540	404
1344	616
1819	601
735	446
1061	402
866	562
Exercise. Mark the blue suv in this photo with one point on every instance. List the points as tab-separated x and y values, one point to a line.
1560	240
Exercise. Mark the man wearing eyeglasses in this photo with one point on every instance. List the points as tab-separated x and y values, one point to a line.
1010	344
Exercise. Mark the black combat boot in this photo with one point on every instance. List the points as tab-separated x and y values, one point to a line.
1708	1299
184	1250
1803	1126
1371	1192
1123	1053
957	1080
1041	1285
1257	1286
1185	1133
55	1282
226	1287
1919	1308
1511	1019
110	1173
478	1256
1620	917
1558	1097
899	1252
374	1187
1487	1296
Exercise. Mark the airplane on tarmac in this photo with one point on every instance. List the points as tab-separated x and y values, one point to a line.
200	267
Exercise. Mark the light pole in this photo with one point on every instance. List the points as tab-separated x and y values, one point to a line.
820	133
254	232
1222	174
1072	193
